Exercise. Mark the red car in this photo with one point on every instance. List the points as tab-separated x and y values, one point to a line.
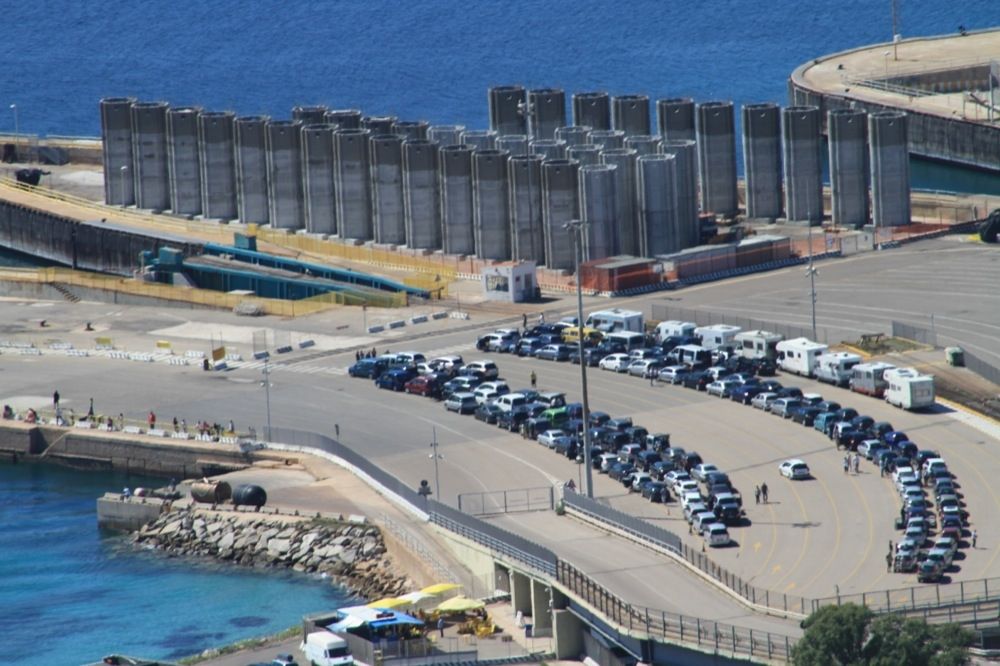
425	385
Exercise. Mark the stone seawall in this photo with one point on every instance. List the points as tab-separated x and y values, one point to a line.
351	554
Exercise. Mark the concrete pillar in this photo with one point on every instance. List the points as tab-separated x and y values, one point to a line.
541	611
567	634
520	593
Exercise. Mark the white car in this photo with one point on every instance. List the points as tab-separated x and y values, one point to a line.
688	486
485	369
693	508
674	477
616	362
607	460
764	400
498	386
900	471
425	368
794	469
703	519
718	387
701	471
552	438
674	374
643	368
690	496
450	362
484	395
638	479
716	535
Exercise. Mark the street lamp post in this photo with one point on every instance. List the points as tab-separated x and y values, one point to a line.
577	228
17	133
124	172
526	110
435	456
267	396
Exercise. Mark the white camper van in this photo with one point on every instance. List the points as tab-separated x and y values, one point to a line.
717	335
758	344
869	378
836	367
908	389
615	319
680	329
326	649
799	355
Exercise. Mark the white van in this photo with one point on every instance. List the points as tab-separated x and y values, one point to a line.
836	367
869	378
552	399
717	335
674	328
908	389
511	401
799	355
757	344
693	356
631	340
326	649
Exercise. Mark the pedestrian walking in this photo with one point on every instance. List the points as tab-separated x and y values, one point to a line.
151	419
121	421
55	398
847	463
176	425
975	536
541	318
524	321
231	427
534	379
652	377
440	626
184	426
888	562
756	494
857	464
763	491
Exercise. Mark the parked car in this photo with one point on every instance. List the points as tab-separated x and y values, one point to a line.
369	368
696	380
794	469
764	400
488	413
716	535
396	378
463	403
869	448
656	491
485	369
551	437
558	352
718	388
700	471
805	415
425	385
528	346
673	374
644	367
783	406
929	571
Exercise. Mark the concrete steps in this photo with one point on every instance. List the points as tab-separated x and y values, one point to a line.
67	294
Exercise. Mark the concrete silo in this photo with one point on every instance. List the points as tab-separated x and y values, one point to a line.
549	149
675	118
658	205
387	189
608	139
626	227
411	129
800	129
573	135
592	109
184	160
847	130
217	146
685	155
515	144
643	144
343	118
420	194
284	174
585	154
717	158
560	204
379	124
491	215
319	202
890	168
309	115
762	160
524	176
548	112
630	114
598	206
445	135
352	179
252	193
456	200
506	110
479	139
116	150
150	175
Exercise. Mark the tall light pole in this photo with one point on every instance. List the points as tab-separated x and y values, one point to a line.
17	133
526	108
435	455
267	395
578	228
811	270
124	173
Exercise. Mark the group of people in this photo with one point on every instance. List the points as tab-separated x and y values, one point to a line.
361	353
760	493
852	462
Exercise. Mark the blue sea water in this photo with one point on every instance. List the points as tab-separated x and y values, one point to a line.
70	594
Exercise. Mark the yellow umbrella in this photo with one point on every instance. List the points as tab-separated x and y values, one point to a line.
440	587
389	602
460	604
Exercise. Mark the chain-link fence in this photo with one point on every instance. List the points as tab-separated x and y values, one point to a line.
516	500
981	367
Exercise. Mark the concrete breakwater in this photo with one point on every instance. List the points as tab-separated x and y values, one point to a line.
351	554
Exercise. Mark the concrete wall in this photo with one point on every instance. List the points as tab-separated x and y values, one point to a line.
44	291
113	513
83	245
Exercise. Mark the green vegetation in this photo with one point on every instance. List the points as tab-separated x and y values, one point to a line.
852	634
877	343
238	646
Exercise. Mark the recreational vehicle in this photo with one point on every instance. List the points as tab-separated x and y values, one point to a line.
615	319
674	328
799	355
869	378
836	367
628	339
717	335
758	344
908	389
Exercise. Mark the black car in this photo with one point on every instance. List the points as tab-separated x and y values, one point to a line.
676	454
691	459
599	418
656	491
880	428
619	424
863	423
805	415
828	406
488	413
764	367
696	380
637	434
395	379
771	385
849	439
846	413
369	368
744	394
717	478
789	392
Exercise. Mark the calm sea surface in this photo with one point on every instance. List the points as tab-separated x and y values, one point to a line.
67	593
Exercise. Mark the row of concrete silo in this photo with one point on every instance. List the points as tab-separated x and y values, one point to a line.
507	191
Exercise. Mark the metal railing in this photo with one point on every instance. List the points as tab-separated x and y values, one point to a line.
517	500
914	333
721	638
623	521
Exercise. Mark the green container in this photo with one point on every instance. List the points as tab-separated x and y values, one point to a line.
955	356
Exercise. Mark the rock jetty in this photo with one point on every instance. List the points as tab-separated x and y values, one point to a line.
351	554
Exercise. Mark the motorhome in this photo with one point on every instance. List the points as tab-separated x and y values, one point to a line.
908	389
615	319
629	339
571	335
717	335
693	356
799	355
758	344
326	649
869	378
674	328
836	367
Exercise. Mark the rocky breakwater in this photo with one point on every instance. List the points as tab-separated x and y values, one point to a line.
353	555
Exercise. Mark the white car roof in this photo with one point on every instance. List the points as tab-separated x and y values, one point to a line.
794	461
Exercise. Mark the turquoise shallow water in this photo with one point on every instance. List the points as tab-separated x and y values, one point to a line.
69	593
